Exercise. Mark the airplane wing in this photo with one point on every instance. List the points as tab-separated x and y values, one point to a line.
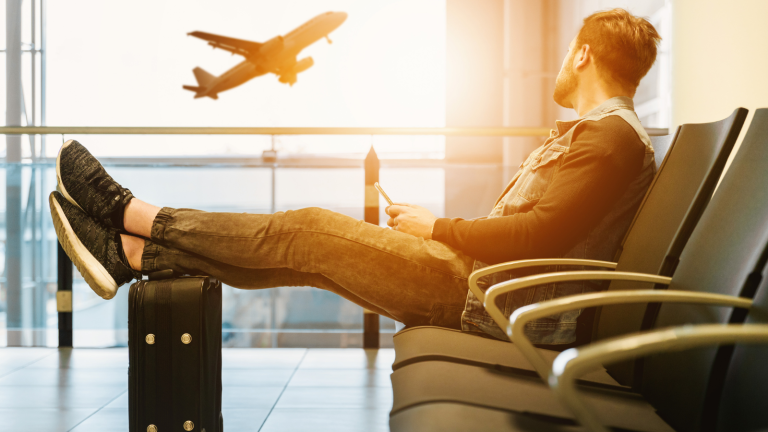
235	46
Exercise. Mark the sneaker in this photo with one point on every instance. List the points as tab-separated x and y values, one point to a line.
96	250
85	183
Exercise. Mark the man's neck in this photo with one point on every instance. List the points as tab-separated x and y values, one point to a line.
586	101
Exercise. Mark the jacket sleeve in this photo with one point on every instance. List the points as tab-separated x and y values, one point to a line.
604	157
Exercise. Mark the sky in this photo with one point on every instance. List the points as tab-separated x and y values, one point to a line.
123	64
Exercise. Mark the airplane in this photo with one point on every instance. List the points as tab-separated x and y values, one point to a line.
277	55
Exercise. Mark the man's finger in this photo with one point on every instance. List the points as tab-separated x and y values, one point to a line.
395	210
391	222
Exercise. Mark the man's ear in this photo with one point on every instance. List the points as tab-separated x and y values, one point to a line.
582	58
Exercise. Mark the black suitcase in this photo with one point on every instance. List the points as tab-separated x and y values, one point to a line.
174	344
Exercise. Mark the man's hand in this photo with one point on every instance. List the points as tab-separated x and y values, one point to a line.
411	219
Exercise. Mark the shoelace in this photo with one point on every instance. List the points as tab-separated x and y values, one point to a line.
105	183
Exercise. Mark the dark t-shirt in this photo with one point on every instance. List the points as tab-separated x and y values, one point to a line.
604	157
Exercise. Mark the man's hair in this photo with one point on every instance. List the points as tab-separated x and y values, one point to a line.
623	45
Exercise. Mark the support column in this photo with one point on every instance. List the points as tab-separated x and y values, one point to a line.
474	98
529	74
13	113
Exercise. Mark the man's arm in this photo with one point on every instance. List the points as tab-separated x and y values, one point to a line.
604	158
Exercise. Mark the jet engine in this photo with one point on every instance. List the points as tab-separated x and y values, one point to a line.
288	78
303	65
272	46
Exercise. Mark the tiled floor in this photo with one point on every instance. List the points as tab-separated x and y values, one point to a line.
86	390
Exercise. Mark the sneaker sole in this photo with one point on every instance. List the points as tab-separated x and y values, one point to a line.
59	185
97	277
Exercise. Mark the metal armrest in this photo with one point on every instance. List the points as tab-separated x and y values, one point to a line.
525	314
573	363
513	265
529	281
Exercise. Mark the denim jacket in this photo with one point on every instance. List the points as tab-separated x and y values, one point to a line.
602	243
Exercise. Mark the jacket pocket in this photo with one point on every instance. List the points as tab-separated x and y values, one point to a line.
543	167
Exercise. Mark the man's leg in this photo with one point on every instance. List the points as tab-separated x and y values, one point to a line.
407	278
153	257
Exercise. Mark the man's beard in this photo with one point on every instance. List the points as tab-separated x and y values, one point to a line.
565	85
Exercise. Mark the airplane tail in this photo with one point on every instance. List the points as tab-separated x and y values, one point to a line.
203	79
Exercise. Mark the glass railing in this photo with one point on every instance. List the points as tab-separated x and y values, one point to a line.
256	183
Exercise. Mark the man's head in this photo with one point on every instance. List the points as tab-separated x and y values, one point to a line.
613	50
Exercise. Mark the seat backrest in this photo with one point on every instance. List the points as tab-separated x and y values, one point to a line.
671	208
743	402
725	247
661	145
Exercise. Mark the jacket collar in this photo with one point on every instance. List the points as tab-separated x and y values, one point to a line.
619	102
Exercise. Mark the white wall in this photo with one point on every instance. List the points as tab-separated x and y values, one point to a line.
719	59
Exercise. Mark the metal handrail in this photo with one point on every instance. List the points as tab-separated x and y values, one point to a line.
130	130
141	130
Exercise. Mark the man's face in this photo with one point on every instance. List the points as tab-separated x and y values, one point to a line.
567	81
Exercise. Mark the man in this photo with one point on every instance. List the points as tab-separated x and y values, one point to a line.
573	197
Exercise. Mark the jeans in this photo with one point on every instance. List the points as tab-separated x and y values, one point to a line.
408	279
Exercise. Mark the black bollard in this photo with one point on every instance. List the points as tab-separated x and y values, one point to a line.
64	298
371	319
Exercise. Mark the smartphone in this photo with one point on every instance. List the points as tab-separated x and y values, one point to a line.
384	194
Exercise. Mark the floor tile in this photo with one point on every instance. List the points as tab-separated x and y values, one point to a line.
348	359
119	402
340	378
262	358
42	419
82	358
250	397
244	419
66	377
20	357
105	420
326	420
254	377
58	397
316	389
336	397
5	370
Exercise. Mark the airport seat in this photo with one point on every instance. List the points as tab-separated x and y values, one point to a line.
688	340
680	190
715	385
743	403
725	252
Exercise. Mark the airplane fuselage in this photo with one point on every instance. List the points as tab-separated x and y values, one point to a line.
240	74
278	56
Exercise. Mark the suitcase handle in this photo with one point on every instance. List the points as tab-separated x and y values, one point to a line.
162	274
